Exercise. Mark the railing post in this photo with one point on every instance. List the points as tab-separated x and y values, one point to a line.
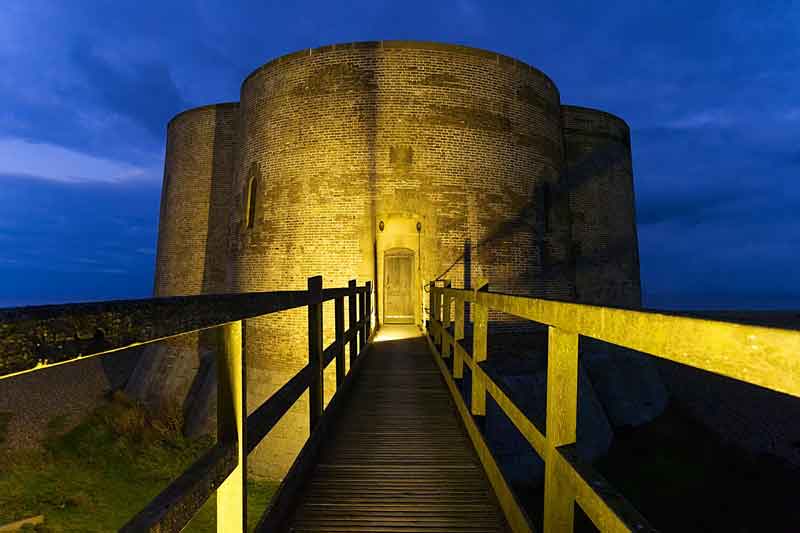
351	320
339	332
458	334
315	362
445	320
480	334
431	329
231	427
562	399
368	327
362	339
436	317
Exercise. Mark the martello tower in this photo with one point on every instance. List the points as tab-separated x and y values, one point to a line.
395	161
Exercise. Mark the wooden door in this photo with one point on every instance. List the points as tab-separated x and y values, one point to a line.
398	288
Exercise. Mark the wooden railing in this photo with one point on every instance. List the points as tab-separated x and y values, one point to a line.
764	356
37	337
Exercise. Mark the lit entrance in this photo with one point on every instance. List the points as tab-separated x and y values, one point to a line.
398	299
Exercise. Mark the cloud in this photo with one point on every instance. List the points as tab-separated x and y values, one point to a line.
792	114
703	119
144	91
55	163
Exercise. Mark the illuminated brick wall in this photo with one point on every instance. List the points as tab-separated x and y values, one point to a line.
466	142
342	137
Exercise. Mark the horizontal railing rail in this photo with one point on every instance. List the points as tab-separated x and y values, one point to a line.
760	355
32	338
38	336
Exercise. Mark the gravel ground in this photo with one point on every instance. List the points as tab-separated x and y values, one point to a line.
64	394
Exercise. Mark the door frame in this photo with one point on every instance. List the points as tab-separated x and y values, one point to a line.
404	252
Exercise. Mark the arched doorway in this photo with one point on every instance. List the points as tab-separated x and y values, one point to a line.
398	286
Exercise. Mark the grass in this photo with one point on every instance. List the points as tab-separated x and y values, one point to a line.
98	475
5	418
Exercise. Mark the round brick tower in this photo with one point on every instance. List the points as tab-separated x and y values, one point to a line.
600	182
192	231
387	161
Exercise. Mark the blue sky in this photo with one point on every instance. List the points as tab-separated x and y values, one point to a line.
711	92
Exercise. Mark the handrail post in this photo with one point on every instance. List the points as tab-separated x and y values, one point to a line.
315	357
561	420
362	339
435	317
458	334
431	330
351	316
339	332
368	312
231	427
480	337
445	319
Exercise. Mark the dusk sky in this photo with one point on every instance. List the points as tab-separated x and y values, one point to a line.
711	92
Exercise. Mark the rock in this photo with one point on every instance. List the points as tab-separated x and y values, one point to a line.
627	382
524	377
166	371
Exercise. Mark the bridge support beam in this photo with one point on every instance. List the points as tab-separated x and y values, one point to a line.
446	320
231	427
561	419
458	334
351	320
480	337
368	312
339	331
362	304
316	364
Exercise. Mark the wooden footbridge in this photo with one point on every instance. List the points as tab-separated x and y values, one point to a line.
396	449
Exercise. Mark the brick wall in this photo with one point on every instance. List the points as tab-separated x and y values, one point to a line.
466	142
194	206
341	137
600	183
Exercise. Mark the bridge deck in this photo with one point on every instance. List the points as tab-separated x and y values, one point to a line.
398	459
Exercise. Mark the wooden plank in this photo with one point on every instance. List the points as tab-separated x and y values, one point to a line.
763	356
398	458
607	508
316	364
339	334
284	498
458	334
352	322
17	525
517	519
171	510
261	421
232	428
446	342
362	320
480	317
503	400
561	417
36	337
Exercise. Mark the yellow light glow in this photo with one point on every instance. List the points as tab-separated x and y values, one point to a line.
395	332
